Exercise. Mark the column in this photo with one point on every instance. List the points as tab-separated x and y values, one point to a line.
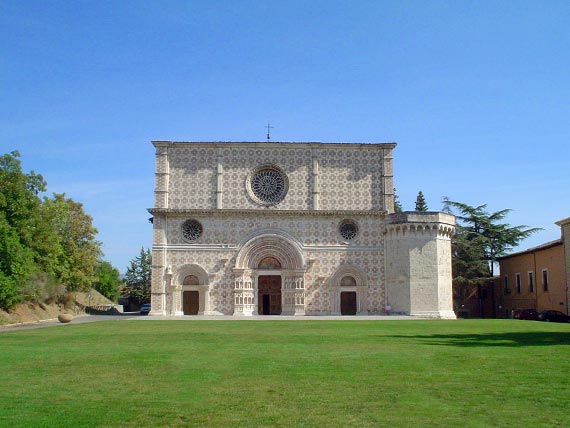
176	293
288	294
361	306
335	300
299	295
293	293
245	290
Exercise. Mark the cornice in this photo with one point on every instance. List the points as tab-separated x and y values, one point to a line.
264	212
276	144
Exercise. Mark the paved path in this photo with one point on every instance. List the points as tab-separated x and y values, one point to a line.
135	316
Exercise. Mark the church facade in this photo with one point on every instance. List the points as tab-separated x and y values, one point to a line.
275	228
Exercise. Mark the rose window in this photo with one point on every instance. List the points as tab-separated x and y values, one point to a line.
348	229
267	185
191	230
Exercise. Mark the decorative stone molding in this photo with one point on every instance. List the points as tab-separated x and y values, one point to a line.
173	212
275	245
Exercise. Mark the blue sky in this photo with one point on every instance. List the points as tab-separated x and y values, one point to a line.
476	93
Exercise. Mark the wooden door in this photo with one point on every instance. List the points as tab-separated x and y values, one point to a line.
191	302
269	295
348	303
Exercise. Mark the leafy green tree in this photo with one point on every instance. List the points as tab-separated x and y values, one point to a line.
481	237
397	204
74	264
42	241
19	218
421	204
107	280
137	277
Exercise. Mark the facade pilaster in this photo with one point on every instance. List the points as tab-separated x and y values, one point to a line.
161	175
387	181
315	179
219	179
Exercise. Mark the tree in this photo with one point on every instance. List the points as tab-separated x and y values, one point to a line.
421	204
43	242
137	277
397	204
19	219
74	264
107	280
482	237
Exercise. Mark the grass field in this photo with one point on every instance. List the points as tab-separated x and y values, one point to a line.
476	373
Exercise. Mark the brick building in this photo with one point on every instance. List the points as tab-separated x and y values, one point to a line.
537	278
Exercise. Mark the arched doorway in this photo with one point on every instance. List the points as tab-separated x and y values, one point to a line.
189	291
348	287
269	276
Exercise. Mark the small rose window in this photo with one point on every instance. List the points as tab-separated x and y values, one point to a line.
348	229
191	230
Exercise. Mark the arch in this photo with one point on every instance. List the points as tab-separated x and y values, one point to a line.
190	294
191	269
359	276
348	285
270	244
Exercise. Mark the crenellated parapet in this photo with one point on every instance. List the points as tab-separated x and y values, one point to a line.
411	223
396	231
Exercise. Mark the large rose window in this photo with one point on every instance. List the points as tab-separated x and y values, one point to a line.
267	185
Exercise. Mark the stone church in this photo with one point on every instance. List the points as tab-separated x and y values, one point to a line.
280	228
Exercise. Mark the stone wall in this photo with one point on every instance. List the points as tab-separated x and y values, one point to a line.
323	251
213	175
418	264
403	260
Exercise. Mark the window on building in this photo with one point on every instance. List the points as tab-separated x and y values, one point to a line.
518	282
506	284
531	282
545	279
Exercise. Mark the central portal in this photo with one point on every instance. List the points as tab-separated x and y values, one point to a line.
269	295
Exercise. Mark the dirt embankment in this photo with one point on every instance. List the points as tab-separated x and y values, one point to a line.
31	312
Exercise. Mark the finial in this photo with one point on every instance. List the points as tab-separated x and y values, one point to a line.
269	127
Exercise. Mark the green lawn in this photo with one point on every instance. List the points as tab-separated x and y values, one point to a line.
465	373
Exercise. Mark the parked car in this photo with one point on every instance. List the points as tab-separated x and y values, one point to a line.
554	316
527	314
145	309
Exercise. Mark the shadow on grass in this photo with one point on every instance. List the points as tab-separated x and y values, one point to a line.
493	339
